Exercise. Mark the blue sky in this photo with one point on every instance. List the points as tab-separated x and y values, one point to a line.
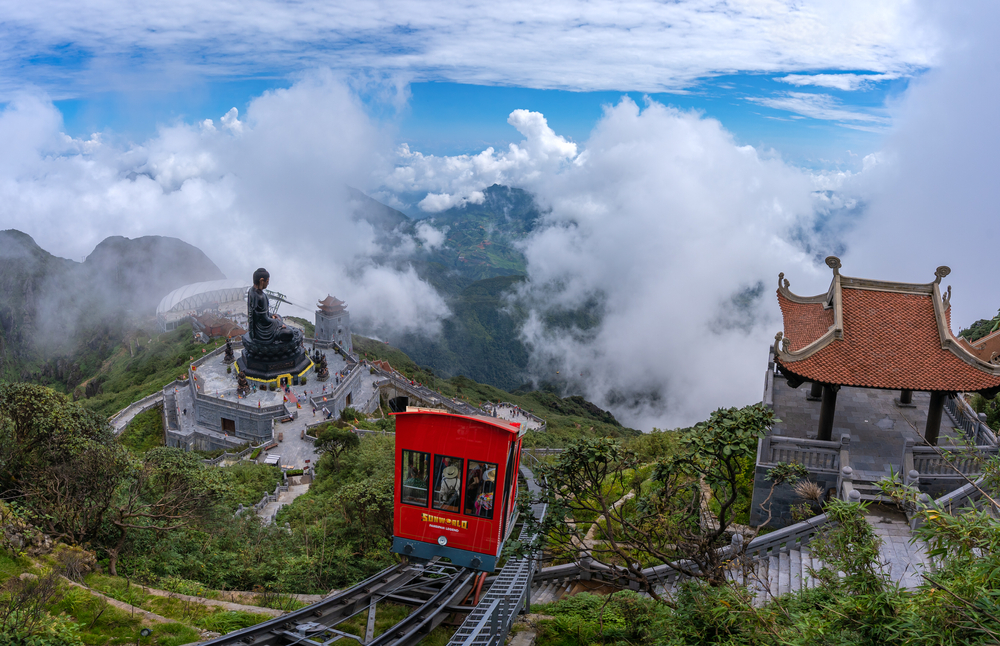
126	70
448	118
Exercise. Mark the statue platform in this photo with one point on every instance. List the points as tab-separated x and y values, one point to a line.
271	362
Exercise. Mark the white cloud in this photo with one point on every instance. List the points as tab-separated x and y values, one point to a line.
454	181
93	45
846	82
269	190
823	107
932	190
430	237
665	221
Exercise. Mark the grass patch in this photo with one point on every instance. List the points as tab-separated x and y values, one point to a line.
144	432
567	418
124	378
188	612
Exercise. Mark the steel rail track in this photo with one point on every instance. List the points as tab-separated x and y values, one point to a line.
435	590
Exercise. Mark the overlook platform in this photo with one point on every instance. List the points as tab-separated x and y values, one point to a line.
878	426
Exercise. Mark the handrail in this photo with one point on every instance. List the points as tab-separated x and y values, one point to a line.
141	406
945	463
965	418
816	455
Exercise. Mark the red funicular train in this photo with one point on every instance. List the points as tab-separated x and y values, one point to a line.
456	485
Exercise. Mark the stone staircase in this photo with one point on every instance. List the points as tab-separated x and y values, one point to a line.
782	562
551	591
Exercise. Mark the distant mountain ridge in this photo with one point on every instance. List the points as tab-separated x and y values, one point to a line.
481	239
51	306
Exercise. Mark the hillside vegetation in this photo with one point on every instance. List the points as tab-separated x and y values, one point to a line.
568	418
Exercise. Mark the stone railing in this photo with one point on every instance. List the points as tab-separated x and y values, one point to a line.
539	423
346	383
120	420
788	538
235	457
812	454
959	501
423	393
938	462
196	391
968	420
266	498
822	459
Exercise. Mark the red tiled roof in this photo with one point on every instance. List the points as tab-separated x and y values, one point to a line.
890	340
331	304
985	347
804	322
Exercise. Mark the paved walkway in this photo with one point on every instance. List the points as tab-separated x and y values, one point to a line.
906	559
513	414
284	498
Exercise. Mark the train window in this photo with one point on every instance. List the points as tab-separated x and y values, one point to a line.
480	485
416	469
447	483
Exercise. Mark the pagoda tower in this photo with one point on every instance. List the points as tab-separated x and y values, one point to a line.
333	322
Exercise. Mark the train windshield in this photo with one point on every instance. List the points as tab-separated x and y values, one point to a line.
480	485
447	483
416	469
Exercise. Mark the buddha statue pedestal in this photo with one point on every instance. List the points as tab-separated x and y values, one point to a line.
265	362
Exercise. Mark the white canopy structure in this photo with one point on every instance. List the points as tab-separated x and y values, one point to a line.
196	298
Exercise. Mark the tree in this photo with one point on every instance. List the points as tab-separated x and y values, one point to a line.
605	507
71	499
39	427
335	441
163	491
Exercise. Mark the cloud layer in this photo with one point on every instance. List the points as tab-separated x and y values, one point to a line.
933	199
264	189
675	235
96	45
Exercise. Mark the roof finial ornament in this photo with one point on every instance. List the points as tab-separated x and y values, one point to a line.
782	279
946	301
833	262
777	342
941	272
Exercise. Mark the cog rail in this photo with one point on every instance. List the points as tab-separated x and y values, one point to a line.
435	590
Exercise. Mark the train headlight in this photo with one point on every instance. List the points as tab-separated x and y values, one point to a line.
442	541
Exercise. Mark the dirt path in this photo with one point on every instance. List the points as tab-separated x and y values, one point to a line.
121	605
226	605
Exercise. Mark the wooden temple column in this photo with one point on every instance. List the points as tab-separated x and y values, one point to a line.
815	391
826	411
905	396
934	417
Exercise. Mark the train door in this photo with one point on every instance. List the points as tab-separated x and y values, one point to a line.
508	474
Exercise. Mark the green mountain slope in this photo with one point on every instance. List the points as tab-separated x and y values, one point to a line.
568	418
482	238
480	340
60	319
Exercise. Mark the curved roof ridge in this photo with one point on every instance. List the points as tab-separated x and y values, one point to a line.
883	335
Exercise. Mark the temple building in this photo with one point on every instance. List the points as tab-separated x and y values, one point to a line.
333	322
877	334
885	382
